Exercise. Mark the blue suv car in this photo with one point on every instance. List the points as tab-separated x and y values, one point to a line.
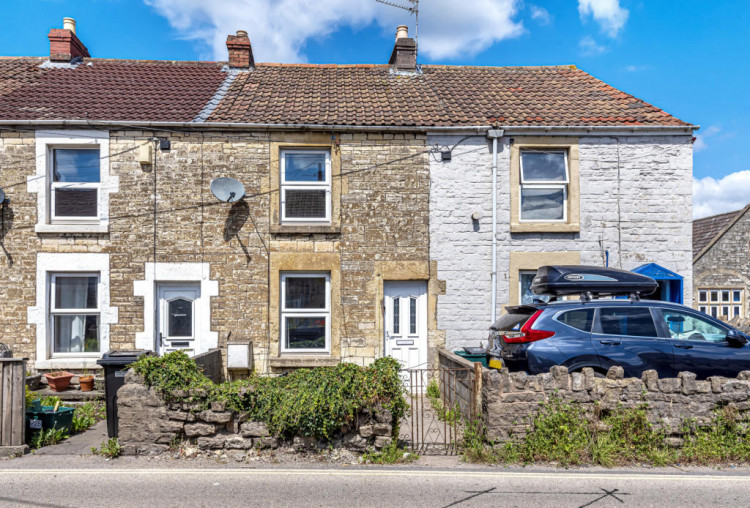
600	333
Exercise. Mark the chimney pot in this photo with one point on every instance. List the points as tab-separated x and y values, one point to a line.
69	24
240	51
402	32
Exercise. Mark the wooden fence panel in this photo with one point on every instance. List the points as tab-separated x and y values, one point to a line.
12	405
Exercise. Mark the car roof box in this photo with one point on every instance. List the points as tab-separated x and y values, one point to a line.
561	280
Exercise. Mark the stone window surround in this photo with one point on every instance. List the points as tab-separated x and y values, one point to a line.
306	186
570	144
304	262
326	312
38	315
304	141
523	261
39	182
155	273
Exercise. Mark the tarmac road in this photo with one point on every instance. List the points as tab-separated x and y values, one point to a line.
363	486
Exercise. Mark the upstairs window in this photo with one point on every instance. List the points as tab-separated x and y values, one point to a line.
306	186
75	184
544	186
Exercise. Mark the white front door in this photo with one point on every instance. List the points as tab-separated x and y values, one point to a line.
406	322
176	317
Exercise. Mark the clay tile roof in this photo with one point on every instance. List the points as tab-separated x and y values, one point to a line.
99	89
439	96
708	228
138	90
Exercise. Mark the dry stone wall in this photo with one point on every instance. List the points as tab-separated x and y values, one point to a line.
149	425
511	401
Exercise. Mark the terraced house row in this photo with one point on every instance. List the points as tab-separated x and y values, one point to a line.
389	209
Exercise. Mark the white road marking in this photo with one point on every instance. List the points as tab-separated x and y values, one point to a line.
371	473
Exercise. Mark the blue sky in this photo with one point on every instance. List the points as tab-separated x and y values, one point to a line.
688	57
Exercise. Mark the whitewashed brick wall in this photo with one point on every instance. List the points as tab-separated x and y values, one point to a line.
655	219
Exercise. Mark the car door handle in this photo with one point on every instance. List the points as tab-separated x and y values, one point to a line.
683	346
610	342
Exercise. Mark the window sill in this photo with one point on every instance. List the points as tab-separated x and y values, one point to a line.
304	361
304	229
544	227
67	363
72	228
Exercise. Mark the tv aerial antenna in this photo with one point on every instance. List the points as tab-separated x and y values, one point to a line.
413	8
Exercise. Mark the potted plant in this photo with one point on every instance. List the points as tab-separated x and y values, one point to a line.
86	381
58	381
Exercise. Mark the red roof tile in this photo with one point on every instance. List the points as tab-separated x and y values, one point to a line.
137	90
98	89
440	96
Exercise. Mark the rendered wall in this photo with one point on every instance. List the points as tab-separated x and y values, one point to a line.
650	222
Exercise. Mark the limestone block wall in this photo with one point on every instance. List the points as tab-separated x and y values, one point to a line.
635	204
148	425
511	401
165	213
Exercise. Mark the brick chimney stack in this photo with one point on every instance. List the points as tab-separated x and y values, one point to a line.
404	55
240	51
64	45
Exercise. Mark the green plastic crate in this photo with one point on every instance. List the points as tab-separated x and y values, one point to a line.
474	358
61	419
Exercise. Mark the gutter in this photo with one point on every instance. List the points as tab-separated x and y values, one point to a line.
509	129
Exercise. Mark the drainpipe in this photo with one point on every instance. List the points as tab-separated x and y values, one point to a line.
493	134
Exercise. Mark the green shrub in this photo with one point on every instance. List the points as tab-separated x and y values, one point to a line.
629	437
560	433
307	402
87	415
109	448
47	437
725	439
390	454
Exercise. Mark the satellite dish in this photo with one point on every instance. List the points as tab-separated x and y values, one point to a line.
227	189
2	196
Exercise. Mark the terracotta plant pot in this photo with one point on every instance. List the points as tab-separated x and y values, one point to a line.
59	381
87	383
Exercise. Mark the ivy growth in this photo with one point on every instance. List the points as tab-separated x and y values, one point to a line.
308	402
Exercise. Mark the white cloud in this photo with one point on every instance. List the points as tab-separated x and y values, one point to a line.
540	15
279	29
711	196
637	68
701	142
589	47
608	13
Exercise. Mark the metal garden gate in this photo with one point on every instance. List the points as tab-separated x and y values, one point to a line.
441	401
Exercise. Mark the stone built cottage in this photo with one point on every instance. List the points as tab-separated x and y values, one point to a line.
367	225
721	264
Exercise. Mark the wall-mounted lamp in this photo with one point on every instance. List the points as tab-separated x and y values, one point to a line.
445	155
476	216
164	144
